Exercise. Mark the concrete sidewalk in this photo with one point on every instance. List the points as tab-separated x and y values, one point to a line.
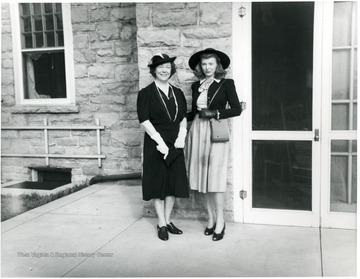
100	231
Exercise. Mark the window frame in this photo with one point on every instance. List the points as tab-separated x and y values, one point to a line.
18	59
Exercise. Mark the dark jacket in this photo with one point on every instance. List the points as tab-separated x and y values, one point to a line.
226	95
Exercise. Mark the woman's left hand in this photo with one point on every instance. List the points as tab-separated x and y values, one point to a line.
180	140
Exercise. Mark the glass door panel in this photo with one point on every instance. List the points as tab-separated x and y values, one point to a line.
282	174
282	66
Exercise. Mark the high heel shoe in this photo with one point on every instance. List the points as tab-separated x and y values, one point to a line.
219	236
172	229
162	233
209	231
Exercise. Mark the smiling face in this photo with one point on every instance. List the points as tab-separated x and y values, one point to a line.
163	72
208	66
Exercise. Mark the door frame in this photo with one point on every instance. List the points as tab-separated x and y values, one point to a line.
243	136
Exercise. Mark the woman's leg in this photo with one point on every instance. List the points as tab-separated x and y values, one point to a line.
210	206
219	205
169	204
160	211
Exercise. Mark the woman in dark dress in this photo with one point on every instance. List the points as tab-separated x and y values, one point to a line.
213	96
161	109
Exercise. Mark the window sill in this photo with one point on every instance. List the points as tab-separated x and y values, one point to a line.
36	109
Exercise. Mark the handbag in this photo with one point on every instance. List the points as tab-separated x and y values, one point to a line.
219	130
219	127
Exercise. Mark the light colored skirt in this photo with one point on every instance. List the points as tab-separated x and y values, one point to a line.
206	162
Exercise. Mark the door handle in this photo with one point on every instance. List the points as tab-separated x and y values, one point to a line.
317	137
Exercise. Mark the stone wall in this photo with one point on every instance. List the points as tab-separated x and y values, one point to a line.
181	29
106	85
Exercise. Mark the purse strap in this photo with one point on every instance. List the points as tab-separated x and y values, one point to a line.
215	93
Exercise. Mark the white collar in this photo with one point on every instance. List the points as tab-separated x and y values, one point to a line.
217	80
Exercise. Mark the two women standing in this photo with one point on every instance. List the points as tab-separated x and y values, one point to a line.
163	117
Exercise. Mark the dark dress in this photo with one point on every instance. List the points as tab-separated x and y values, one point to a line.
160	180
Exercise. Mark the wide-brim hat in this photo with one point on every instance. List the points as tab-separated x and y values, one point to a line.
160	58
195	58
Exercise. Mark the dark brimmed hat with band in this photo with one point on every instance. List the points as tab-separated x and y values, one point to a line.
195	58
160	58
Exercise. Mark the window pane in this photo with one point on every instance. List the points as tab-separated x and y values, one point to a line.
50	39
341	74
28	40
49	22
282	174
59	22
48	8
355	117
37	9
354	180
343	193
355	75
339	146
44	75
282	66
342	24
340	117
39	39
25	9
58	7
26	24
60	38
38	23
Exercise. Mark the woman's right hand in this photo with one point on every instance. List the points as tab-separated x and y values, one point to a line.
163	149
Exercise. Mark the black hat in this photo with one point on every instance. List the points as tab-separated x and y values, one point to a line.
160	58
195	58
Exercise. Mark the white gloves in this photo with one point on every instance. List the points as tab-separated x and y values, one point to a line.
180	140
162	147
151	131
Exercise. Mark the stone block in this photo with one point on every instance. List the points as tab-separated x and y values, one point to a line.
88	86
84	27
181	18
157	38
7	64
54	134
143	14
215	13
127	72
29	134
185	76
81	41
105	52
66	142
81	71
124	48
207	32
7	77
84	56
101	14
108	118
108	31
5	11
127	32
108	99
91	170
113	60
6	42
126	138
96	44
168	6
123	13
79	14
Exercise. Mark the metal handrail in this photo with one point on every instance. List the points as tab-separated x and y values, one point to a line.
47	155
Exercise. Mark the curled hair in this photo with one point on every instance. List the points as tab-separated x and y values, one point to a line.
173	69
219	72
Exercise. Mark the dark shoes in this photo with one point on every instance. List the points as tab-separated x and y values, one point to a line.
219	236
162	233
209	231
172	229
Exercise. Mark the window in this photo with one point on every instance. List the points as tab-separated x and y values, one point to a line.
344	109
43	61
